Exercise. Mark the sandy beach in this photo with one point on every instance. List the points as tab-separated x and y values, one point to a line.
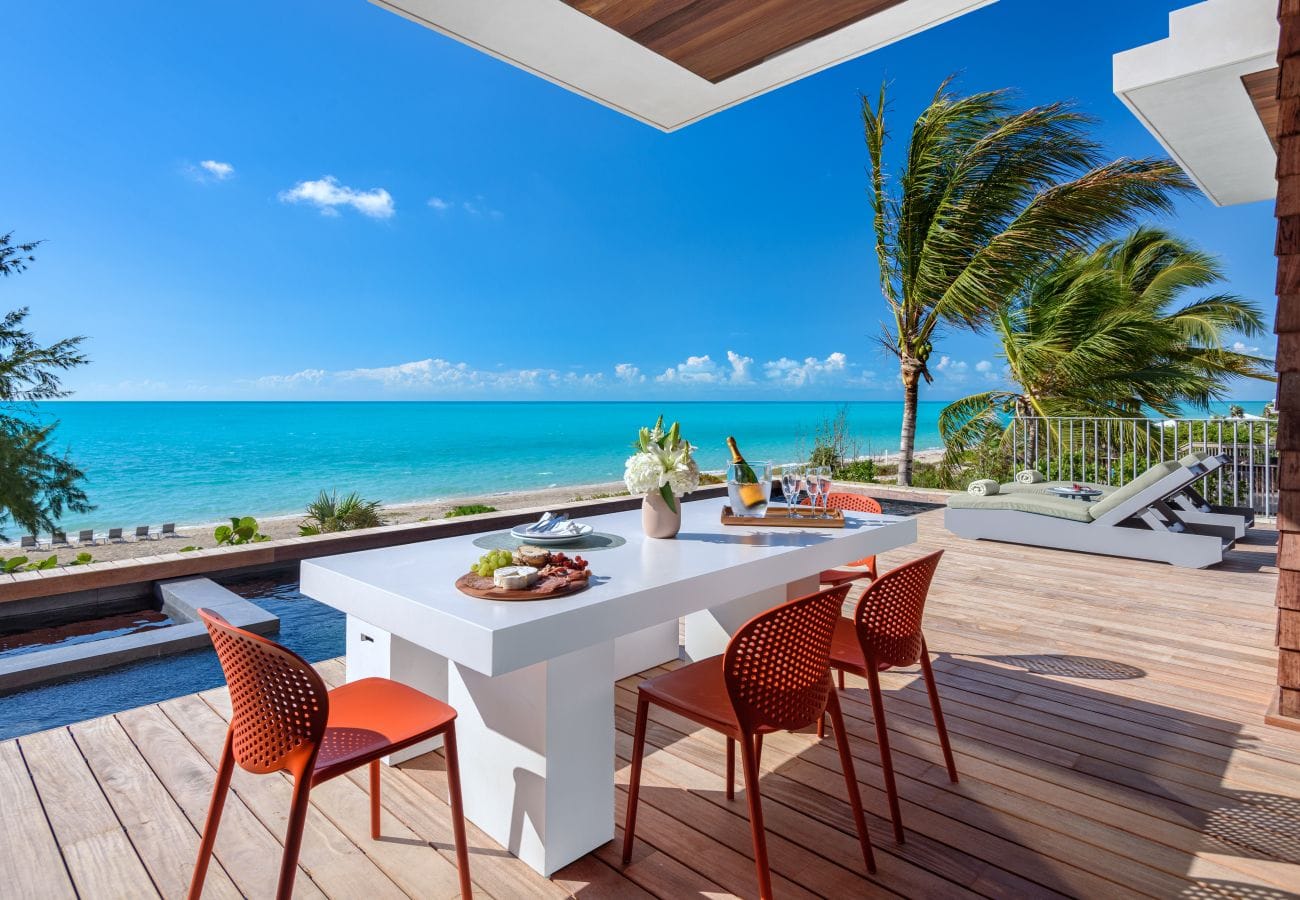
277	527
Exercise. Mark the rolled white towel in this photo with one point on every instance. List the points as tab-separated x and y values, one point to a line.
983	487
1029	476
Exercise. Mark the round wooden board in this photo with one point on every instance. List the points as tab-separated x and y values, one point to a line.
478	586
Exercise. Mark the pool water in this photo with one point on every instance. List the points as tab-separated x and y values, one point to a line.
312	630
81	632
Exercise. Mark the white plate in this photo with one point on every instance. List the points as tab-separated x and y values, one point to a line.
521	532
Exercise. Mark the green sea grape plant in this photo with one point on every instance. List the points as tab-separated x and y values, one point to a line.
987	196
239	531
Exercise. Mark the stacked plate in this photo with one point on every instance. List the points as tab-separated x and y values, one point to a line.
551	529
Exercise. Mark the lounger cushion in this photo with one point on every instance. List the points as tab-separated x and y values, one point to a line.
1151	476
1026	501
1044	487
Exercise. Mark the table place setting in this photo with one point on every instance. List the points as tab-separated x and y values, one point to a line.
552	529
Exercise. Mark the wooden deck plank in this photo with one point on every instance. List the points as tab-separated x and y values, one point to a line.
1106	716
248	852
164	839
99	855
33	865
337	865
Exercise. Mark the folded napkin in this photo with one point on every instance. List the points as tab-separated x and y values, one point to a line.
1029	476
983	487
545	527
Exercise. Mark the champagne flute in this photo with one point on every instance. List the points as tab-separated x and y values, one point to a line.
790	487
824	489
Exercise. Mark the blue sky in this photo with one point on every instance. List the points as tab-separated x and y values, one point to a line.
402	217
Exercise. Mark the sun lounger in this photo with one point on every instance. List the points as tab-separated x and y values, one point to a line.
58	538
142	533
115	536
168	530
86	537
28	542
1134	521
1191	507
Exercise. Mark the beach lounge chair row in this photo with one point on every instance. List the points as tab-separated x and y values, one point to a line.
1157	516
88	538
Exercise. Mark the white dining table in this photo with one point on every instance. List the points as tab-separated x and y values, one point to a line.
533	681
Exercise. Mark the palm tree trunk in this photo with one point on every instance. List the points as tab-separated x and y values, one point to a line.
907	437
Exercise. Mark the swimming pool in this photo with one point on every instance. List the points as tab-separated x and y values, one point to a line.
310	629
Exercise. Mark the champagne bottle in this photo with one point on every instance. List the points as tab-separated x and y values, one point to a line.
749	491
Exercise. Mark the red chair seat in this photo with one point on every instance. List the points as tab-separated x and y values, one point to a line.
836	577
846	650
697	691
372	718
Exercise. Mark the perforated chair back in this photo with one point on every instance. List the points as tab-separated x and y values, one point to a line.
777	665
279	703
888	617
853	502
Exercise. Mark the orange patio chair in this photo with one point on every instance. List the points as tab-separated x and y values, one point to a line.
885	632
284	719
774	676
860	568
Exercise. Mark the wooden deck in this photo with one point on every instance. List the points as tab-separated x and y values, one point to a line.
1106	716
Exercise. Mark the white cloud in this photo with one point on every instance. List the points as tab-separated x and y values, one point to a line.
219	170
628	374
983	367
740	367
1240	347
479	207
703	370
439	204
696	370
328	195
791	373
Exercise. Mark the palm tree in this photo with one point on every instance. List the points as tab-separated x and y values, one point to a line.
987	196
327	514
1105	333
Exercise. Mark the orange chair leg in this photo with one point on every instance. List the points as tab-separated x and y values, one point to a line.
851	780
749	759
457	811
937	710
758	749
218	803
821	726
840	673
882	738
731	769
634	783
293	836
374	800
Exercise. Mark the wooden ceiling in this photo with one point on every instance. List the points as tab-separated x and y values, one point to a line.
716	39
1262	87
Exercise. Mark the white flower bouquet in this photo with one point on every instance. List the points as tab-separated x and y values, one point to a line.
664	462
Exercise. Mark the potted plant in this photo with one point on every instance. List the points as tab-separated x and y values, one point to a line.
662	470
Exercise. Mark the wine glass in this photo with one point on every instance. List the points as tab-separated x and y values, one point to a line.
790	487
824	489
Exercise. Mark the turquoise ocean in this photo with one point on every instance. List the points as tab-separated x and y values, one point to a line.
199	462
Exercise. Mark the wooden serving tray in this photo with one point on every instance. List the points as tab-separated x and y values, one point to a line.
484	589
780	517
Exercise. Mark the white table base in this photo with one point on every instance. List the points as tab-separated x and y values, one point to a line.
530	740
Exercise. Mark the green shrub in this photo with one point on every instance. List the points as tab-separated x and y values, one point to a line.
239	531
471	509
712	478
328	514
82	559
861	470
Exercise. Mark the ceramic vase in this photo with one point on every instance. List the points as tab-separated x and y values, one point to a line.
657	519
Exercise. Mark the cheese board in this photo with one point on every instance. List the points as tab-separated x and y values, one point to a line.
484	588
782	518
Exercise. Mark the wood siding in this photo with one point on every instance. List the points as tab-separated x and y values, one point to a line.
1287	325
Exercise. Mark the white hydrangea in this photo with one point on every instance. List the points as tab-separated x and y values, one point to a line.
641	473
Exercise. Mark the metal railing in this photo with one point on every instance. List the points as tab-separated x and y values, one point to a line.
1115	451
